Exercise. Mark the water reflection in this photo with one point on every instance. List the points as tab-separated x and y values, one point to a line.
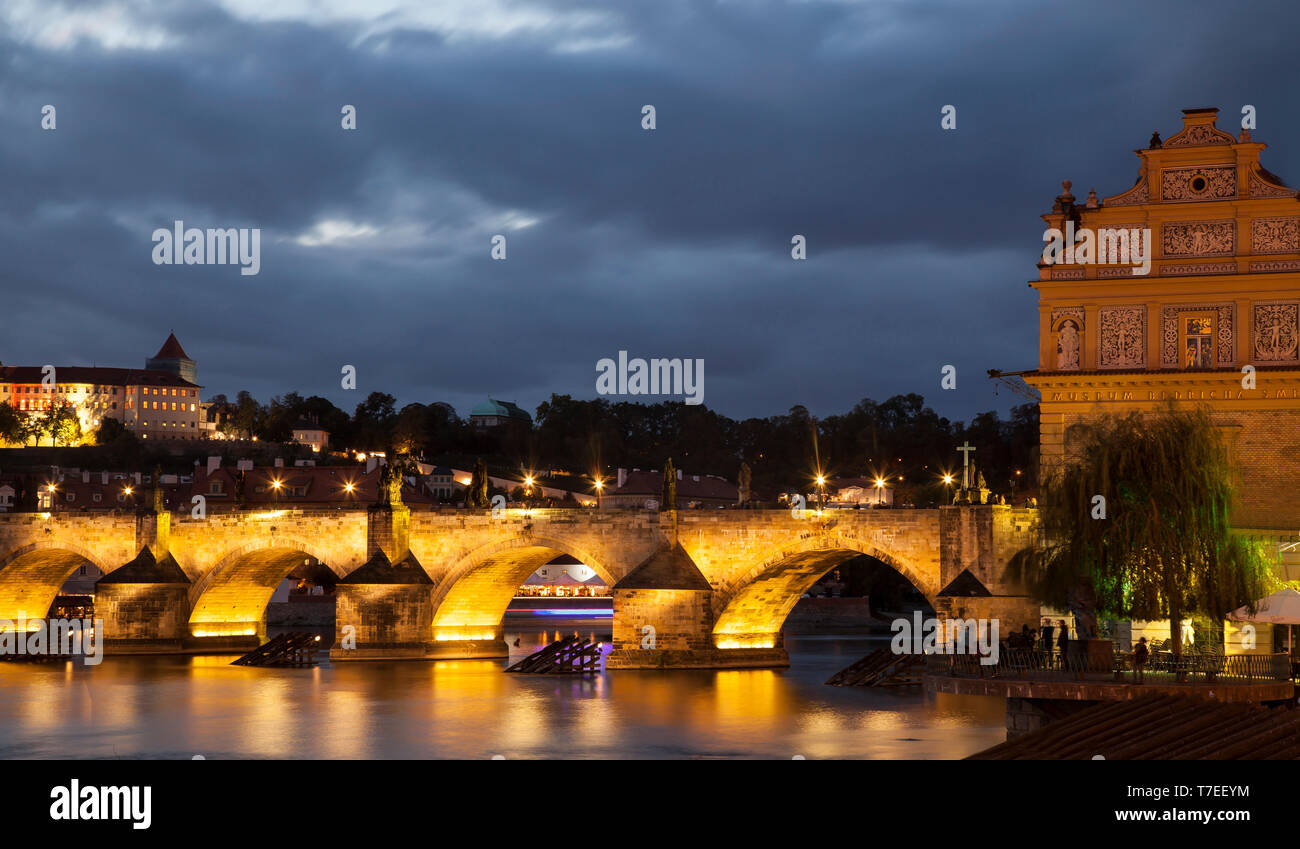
176	707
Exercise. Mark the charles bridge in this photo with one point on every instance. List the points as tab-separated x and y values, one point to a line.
691	588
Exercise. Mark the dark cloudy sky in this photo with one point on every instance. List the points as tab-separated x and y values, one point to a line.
478	117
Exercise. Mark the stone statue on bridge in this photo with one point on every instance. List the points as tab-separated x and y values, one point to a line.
668	499
476	494
742	485
390	481
159	503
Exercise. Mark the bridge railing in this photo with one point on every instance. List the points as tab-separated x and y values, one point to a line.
1161	667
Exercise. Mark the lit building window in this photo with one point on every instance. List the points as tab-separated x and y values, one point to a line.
1198	341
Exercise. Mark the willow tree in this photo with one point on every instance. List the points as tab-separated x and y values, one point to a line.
1136	525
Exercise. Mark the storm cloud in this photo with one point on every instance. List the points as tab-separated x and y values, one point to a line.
477	118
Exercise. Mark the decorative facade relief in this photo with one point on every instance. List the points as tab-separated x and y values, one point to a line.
1261	189
1190	184
1169	341
1198	268
1122	337
1275	235
1276	265
1134	196
1277	332
1067	273
1198	238
1201	134
1067	325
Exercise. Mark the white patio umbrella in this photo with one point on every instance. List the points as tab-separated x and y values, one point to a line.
1280	608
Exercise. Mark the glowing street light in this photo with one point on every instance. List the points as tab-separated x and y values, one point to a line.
599	484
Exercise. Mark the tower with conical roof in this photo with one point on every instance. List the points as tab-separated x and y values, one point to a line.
171	357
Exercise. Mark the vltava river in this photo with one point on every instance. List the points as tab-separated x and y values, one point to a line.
179	707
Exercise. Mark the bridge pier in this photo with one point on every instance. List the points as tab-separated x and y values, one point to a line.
384	609
144	604
663	619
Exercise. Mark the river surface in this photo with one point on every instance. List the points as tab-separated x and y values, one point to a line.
180	707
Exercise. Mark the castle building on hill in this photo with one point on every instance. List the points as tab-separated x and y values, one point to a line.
160	401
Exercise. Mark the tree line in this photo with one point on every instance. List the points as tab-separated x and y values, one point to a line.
900	439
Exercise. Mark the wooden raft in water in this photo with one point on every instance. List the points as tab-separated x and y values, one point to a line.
296	648
571	655
881	668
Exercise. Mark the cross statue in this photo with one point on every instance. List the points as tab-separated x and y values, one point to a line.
965	450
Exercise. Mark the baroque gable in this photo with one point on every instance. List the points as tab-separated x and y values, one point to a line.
1199	134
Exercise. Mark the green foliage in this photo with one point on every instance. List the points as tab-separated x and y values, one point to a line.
110	430
33	427
1165	548
61	424
899	437
374	421
11	424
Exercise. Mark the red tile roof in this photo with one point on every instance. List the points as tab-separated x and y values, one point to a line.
688	487
320	485
94	375
1160	728
171	350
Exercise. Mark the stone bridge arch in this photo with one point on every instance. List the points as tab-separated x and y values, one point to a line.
472	596
751	608
31	575
229	600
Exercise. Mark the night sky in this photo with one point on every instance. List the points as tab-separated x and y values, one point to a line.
483	117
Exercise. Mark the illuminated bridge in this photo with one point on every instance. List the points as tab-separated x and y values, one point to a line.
691	588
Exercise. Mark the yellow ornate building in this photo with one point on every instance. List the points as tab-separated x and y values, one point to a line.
1222	293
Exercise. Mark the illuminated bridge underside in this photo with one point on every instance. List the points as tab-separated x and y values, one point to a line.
232	601
754	615
476	596
30	581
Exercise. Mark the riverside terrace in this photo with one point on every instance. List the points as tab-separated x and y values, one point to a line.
1041	687
715	586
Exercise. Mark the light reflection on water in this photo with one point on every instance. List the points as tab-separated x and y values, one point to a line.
177	707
